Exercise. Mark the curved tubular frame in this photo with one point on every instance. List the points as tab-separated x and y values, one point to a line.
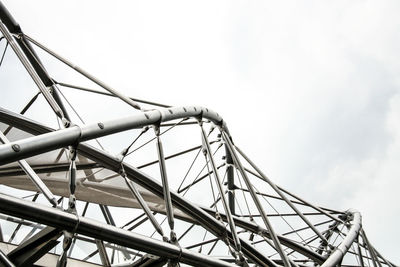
75	134
355	226
109	161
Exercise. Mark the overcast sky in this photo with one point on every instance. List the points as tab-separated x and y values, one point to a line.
309	89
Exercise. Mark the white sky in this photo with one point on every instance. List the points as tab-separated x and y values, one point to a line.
310	89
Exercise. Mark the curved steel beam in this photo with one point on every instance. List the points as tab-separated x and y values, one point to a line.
74	134
341	250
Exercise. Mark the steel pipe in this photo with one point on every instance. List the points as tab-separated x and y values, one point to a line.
341	250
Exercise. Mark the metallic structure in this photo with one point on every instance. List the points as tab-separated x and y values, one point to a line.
179	192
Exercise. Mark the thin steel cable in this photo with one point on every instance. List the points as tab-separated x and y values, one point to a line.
337	235
244	196
199	174
4	53
211	184
355	254
108	94
204	237
152	139
226	191
190	168
240	209
290	226
77	114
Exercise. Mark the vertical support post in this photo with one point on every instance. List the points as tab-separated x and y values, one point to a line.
253	194
72	180
164	178
221	190
230	175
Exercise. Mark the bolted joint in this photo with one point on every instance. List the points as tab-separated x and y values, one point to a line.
66	122
72	153
16	147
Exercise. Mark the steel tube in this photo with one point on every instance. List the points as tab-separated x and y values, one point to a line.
165	184
339	252
144	206
74	134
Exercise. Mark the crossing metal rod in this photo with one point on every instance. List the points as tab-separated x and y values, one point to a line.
103	253
301	201
220	189
42	87
144	205
33	176
385	260
254	196
283	196
91	228
371	250
86	74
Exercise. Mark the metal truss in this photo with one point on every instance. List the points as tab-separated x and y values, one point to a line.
64	197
